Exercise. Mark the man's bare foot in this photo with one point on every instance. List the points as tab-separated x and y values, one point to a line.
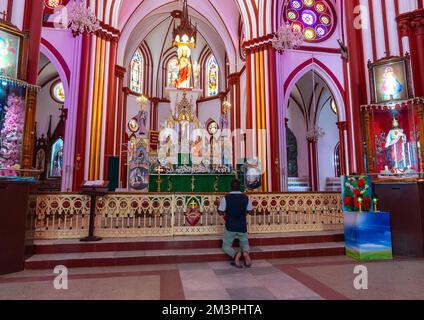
247	259
236	261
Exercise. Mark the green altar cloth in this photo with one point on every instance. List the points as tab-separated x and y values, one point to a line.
191	183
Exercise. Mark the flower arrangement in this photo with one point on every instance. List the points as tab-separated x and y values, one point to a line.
357	193
11	134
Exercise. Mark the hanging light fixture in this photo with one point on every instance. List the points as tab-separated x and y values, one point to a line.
316	132
287	37
185	33
82	19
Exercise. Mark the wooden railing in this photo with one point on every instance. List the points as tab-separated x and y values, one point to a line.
54	216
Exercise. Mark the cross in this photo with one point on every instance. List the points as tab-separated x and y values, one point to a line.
4	14
193	204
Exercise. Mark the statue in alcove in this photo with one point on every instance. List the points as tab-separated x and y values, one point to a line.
292	154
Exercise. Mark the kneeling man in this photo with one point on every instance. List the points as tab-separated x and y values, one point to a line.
235	206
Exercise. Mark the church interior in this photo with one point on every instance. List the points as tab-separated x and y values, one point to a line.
124	124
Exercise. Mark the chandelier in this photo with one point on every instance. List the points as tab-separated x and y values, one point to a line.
286	38
82	19
315	134
185	33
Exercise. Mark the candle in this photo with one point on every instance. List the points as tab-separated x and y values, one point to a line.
360	203
375	200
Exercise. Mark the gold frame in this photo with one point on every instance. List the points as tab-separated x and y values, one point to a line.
390	61
23	47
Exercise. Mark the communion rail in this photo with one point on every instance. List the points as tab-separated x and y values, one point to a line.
61	216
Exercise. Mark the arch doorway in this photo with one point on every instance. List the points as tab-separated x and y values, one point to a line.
50	126
312	135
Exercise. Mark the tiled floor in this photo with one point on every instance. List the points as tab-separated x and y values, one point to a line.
302	278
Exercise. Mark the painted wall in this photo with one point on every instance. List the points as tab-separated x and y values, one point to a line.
298	126
326	145
209	110
132	111
46	106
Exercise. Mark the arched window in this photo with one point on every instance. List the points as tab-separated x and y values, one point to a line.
172	73
212	77
137	65
316	19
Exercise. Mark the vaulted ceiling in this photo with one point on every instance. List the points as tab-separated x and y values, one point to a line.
310	95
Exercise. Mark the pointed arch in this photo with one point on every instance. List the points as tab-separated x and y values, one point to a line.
326	74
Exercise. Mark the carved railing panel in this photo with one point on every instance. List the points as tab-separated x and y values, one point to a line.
138	215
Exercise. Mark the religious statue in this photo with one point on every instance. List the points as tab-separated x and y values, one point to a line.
184	67
226	106
395	143
142	118
57	163
198	147
391	87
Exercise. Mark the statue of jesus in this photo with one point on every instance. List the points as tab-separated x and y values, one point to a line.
184	67
395	142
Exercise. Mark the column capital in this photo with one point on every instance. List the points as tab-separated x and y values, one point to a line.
417	21
126	90
234	78
155	101
342	125
120	71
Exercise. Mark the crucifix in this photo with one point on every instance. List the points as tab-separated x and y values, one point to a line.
193	204
4	15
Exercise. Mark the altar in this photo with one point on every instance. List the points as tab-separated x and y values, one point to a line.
205	183
185	154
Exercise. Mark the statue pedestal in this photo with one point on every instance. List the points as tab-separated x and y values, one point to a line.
175	96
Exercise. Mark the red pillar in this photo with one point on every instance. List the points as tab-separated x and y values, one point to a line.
33	23
81	130
274	121
411	25
358	89
417	25
124	140
111	105
154	113
342	126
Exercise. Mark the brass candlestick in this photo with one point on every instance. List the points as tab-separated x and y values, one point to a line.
215	185
169	184
159	180
193	183
375	200
360	203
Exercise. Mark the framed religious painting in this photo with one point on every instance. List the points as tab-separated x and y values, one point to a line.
11	49
390	79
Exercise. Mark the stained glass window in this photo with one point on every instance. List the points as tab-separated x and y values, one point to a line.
314	18
58	92
137	65
53	4
212	77
172	73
